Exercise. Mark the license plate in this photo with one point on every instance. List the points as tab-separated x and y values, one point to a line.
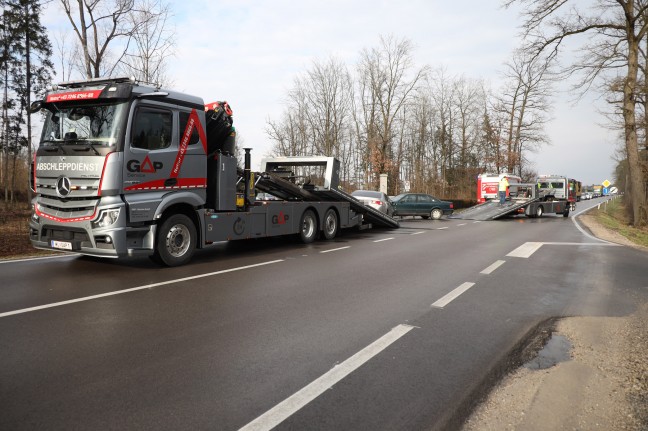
63	245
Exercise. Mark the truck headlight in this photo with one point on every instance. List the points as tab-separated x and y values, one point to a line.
34	216
106	218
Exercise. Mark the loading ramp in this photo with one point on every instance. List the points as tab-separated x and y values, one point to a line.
279	179
492	210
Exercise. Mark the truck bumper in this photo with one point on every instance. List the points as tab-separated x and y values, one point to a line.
85	237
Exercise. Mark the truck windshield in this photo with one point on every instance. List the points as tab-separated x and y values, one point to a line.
85	124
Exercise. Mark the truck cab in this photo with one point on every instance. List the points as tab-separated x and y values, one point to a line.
114	155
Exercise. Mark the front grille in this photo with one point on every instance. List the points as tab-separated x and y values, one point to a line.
70	210
79	204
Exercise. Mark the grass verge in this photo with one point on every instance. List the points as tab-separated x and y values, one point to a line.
613	215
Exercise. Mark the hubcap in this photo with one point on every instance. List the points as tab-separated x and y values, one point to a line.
178	240
308	227
330	224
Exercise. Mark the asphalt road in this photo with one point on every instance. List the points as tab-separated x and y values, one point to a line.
377	330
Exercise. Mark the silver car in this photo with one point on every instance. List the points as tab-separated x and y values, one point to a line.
377	200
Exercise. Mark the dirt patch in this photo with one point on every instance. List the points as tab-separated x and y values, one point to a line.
603	386
601	232
14	235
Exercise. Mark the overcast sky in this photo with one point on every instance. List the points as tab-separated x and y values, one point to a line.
249	52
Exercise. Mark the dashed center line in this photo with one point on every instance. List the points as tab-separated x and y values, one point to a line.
335	249
452	295
384	239
417	233
493	267
441	228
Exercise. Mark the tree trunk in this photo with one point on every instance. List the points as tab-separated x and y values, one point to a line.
28	101
632	148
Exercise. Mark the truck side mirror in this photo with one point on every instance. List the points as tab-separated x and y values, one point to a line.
35	106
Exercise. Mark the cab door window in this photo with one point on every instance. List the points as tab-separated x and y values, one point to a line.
152	129
184	121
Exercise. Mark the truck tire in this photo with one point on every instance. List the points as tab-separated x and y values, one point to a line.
176	240
436	214
308	227
539	211
566	212
331	225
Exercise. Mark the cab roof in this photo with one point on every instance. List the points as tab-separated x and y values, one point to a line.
116	88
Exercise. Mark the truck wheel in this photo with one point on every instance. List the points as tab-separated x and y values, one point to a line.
308	227
539	211
566	212
331	224
436	214
176	240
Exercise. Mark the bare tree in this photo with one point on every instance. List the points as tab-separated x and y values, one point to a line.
615	29
387	81
152	43
67	56
317	117
524	100
98	25
441	89
468	98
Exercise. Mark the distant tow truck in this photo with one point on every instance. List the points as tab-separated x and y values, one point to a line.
548	195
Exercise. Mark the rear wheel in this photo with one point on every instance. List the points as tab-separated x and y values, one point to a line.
436	214
176	240
539	211
331	224
566	212
308	227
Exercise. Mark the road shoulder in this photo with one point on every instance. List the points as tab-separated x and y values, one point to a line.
603	386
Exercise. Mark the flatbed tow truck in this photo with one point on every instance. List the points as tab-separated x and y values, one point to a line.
549	195
125	168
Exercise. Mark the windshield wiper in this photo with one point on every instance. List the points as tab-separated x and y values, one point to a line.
89	145
53	144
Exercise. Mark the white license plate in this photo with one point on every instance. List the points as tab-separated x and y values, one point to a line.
63	245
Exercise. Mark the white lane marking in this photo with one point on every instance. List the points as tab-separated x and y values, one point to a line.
384	239
335	249
493	267
452	295
29	259
418	233
441	228
525	250
133	289
461	224
578	226
294	403
477	221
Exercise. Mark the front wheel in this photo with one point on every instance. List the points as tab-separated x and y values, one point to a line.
331	224
436	214
308	227
566	212
176	240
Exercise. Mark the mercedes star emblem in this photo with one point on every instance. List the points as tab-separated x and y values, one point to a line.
63	186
